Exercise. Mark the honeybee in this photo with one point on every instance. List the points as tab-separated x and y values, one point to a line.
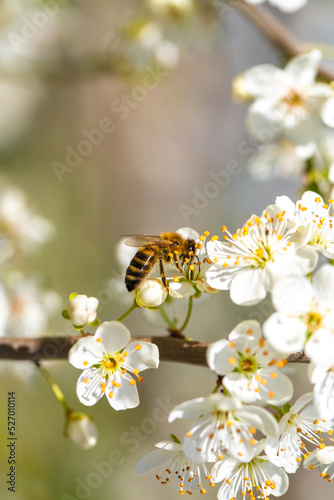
168	247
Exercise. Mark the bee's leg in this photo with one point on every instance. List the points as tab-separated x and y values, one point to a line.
176	262
162	273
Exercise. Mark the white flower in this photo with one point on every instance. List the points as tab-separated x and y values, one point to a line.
284	5
305	316
311	212
258	477
222	423
250	366
151	293
82	309
28	308
108	362
287	102
324	459
80	428
193	275
170	458
301	423
19	224
322	376
263	251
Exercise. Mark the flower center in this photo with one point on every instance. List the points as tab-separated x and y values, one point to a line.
110	364
247	364
293	99
313	320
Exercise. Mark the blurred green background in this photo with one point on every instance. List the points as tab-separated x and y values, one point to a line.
63	80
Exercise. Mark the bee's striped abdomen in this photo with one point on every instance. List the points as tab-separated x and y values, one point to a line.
140	267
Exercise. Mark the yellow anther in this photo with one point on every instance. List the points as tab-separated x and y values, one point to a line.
98	339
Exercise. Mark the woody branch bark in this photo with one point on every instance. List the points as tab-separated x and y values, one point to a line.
55	348
277	33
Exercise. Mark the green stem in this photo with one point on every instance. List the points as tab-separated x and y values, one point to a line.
190	308
166	318
129	311
54	387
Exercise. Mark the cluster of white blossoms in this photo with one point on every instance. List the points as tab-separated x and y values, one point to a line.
243	447
25	306
288	114
233	439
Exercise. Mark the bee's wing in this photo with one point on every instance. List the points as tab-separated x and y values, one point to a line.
146	240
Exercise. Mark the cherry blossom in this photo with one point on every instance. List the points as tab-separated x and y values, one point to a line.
251	368
109	361
263	251
222	424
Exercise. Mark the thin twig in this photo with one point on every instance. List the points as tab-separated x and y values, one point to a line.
55	348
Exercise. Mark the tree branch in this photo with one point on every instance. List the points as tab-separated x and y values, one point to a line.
277	33
55	348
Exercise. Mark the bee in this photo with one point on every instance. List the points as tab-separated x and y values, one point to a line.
168	247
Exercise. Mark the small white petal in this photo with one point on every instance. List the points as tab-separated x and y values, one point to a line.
220	357
114	336
237	384
153	460
141	359
181	289
265	80
123	397
86	352
276	391
285	334
259	418
247	288
304	68
292	294
89	390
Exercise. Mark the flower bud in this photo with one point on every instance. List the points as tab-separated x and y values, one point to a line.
152	293
81	429
82	309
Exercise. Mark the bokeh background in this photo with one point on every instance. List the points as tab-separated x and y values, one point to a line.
143	177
